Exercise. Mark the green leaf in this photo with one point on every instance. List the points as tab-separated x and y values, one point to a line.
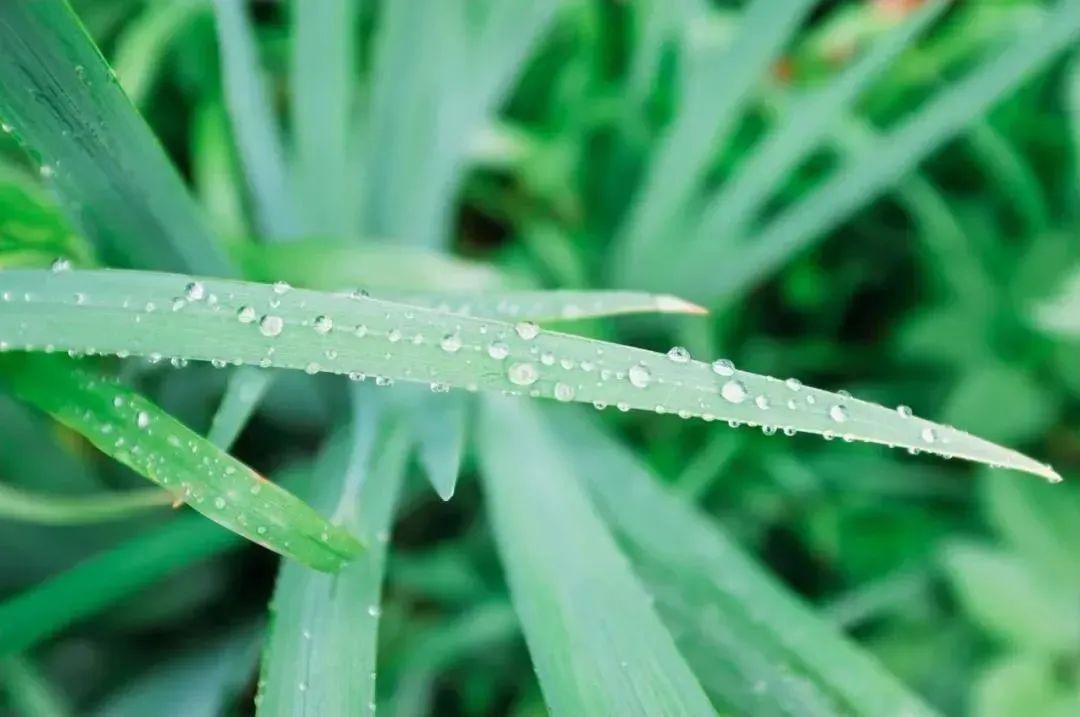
1010	600
142	46
63	102
320	659
977	398
49	509
172	316
103	580
756	648
1023	684
439	423
133	431
596	643
716	84
544	306
33	232
803	128
322	78
254	125
245	389
725	271
29	693
321	264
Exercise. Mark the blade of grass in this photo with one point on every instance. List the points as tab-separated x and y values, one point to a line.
319	264
716	84
117	312
597	645
144	42
320	658
130	429
544	306
322	76
51	509
439	423
254	125
109	577
721	273
804	127
29	693
62	101
33	232
245	389
755	647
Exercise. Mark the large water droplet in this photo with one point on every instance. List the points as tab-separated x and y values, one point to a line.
195	291
450	343
564	392
838	413
794	384
527	330
245	314
678	354
498	350
929	435
639	375
142	419
271	325
523	374
904	411
733	392
723	367
323	325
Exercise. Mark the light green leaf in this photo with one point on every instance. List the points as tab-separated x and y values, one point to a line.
755	647
32	231
1023	684
254	125
172	316
144	42
804	127
439	423
320	659
321	264
716	84
130	429
51	509
245	389
725	271
28	691
544	306
596	643
322	79
63	102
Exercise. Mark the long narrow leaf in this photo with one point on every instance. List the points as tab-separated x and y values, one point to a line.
716	85
595	640
253	122
61	100
162	315
322	89
136	433
320	659
754	646
721	272
804	127
20	505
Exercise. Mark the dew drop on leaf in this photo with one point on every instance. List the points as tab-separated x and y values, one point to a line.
723	367
271	325
733	392
527	330
838	413
678	354
523	374
639	375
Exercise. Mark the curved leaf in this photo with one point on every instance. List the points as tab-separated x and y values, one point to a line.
127	427
165	315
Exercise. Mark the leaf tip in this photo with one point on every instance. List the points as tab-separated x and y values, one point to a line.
671	304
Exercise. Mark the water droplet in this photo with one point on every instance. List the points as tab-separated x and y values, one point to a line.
733	392
527	330
374	610
47	171
323	325
61	265
271	325
245	314
498	350
564	392
281	287
437	387
678	354
794	384
904	411
142	419
838	413
195	291
393	336
219	503
723	367
929	435
639	375
523	374
450	343
762	402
